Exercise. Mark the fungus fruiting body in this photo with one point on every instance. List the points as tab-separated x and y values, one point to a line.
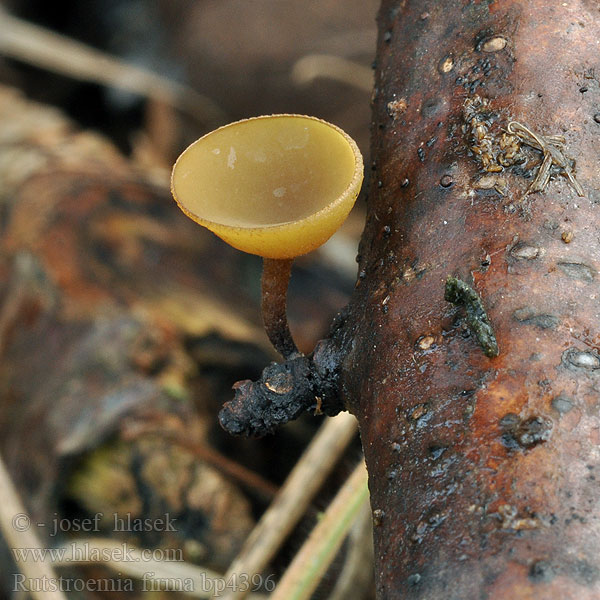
277	186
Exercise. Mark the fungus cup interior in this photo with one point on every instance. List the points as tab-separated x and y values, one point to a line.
278	186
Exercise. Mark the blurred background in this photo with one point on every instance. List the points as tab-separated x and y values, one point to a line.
123	325
248	58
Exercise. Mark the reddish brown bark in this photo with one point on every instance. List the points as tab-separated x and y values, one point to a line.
484	470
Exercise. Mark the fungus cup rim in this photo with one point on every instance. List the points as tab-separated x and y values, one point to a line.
256	235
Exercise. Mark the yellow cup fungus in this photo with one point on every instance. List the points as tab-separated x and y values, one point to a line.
277	186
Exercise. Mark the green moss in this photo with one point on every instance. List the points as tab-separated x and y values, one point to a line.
462	294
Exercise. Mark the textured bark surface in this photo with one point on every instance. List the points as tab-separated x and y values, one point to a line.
483	471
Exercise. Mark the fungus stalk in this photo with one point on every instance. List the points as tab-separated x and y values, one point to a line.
277	186
275	279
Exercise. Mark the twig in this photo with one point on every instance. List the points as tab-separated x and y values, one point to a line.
17	529
242	475
304	574
294	498
311	66
356	576
43	48
9	310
